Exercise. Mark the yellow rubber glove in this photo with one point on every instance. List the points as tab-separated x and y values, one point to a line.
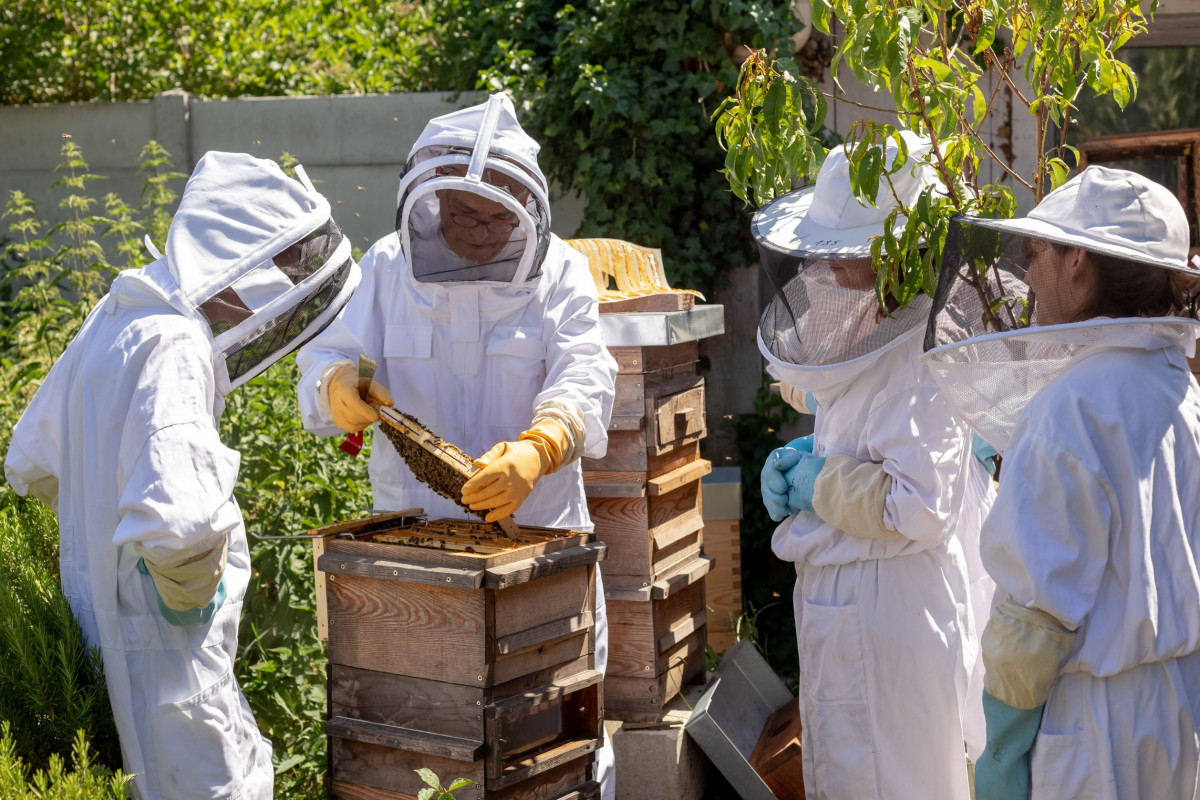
509	471
350	410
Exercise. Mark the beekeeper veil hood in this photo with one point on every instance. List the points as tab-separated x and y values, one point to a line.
1101	262
824	325
473	204
256	258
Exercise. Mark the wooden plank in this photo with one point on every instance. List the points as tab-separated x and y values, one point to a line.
545	761
693	471
658	301
340	790
627	422
622	523
641	699
379	767
568	781
532	680
626	453
684	550
723	585
649	358
554	690
776	757
392	736
682	575
508	575
318	548
614	484
405	702
680	527
549	631
513	666
684	630
663	463
590	791
425	631
533	542
678	418
629	399
564	781
561	595
371	567
374	523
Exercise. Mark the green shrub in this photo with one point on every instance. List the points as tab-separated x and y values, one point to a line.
87	781
51	684
130	50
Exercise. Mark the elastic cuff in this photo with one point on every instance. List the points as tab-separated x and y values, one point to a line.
569	415
850	494
1023	650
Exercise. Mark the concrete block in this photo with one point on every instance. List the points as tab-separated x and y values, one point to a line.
660	761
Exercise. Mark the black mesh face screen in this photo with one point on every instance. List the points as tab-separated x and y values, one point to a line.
226	309
306	256
283	334
981	286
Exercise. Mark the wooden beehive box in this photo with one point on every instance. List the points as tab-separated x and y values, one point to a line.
722	510
454	649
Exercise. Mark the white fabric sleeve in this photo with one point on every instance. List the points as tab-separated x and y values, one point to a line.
1023	649
924	448
1046	540
357	329
579	368
851	495
32	462
177	499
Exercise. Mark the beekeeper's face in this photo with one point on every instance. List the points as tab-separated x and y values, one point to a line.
474	227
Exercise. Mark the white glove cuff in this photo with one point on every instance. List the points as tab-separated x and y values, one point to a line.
850	494
568	414
322	387
1023	649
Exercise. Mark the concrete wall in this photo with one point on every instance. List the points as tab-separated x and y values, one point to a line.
352	147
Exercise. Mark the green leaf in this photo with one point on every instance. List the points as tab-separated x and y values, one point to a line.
822	14
428	777
987	31
459	783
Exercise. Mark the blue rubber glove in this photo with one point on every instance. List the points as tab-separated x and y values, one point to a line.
771	481
191	617
802	481
774	486
810	402
985	453
1002	772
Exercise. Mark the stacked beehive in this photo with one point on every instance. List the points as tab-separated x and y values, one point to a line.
644	495
453	649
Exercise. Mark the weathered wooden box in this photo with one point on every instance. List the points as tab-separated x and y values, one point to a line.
453	649
656	647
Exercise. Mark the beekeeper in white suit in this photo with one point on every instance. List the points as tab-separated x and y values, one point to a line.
875	506
486	329
1093	669
121	440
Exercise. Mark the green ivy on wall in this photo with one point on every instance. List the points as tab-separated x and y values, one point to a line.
619	94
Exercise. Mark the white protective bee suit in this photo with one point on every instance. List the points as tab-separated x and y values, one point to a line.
884	618
1094	537
121	440
476	350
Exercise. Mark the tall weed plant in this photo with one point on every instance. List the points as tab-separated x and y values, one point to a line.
289	482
